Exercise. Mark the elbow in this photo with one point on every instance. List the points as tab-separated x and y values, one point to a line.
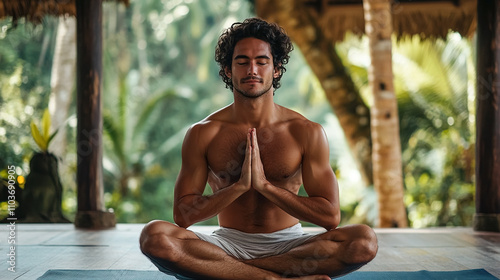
180	220
183	215
331	225
333	221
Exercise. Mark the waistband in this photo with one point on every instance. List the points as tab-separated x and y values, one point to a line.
287	233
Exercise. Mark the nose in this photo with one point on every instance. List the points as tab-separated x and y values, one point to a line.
252	69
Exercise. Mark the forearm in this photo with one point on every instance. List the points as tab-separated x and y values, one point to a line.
316	210
194	208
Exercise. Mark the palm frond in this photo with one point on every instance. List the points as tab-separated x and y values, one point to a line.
150	105
115	134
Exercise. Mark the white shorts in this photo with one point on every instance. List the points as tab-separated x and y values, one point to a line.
242	245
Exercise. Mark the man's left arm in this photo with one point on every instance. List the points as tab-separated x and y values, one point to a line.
321	206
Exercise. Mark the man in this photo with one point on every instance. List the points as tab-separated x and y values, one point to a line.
255	155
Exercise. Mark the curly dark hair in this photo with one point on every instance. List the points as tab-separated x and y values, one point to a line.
281	45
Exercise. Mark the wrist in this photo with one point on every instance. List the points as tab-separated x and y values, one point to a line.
266	187
240	187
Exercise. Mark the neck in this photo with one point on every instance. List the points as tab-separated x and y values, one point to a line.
256	112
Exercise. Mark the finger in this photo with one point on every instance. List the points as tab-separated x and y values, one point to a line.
249	139
255	146
248	154
246	168
254	139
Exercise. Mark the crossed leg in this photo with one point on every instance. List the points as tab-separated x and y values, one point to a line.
334	253
180	250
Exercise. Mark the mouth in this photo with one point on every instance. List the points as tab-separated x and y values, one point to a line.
251	80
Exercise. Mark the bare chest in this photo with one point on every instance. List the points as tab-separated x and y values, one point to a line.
281	156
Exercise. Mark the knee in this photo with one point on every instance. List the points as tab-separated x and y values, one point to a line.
363	245
156	239
150	235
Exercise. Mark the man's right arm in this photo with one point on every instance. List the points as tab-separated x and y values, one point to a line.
190	205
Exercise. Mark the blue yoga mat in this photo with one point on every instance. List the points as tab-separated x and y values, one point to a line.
473	274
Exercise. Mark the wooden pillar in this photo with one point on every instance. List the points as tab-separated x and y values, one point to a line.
386	151
91	211
487	217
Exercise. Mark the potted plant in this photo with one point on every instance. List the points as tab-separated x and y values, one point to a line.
42	195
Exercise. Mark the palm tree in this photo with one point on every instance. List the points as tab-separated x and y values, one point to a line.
386	156
433	84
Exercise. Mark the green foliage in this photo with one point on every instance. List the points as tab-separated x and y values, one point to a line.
433	81
25	62
436	115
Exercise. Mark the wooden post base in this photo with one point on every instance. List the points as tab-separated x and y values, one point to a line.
487	222
95	219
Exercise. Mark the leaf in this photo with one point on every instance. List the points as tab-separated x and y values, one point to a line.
52	137
115	134
154	101
46	125
39	140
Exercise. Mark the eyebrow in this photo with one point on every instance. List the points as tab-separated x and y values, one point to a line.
246	57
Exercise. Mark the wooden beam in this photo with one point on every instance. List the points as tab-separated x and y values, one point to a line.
487	216
91	211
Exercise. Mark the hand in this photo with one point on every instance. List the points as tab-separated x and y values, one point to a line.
245	180
259	181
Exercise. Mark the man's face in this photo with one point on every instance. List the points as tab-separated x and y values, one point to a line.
252	70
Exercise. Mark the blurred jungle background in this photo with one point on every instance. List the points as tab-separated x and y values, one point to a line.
159	77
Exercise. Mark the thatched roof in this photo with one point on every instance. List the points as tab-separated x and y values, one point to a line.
428	18
35	10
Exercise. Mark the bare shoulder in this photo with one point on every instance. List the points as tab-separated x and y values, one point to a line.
201	133
301	127
212	122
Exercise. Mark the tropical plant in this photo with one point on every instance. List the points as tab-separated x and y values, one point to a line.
42	195
433	83
437	129
127	156
25	61
44	137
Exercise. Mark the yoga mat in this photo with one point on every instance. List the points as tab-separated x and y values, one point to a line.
57	274
473	274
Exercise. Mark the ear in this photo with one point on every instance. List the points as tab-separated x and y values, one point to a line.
227	71
276	73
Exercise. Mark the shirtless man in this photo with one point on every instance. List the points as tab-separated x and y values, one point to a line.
255	155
